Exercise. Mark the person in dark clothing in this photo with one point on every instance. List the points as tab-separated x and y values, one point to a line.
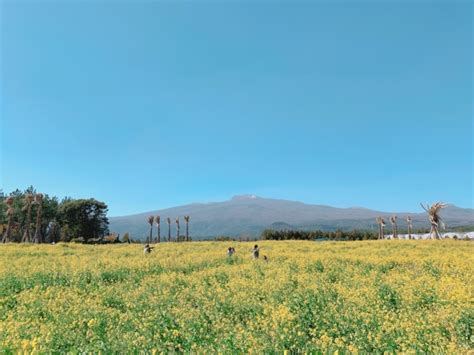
256	252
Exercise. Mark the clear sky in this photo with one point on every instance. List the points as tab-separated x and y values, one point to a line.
147	105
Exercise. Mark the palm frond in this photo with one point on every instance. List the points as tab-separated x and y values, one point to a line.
427	208
435	210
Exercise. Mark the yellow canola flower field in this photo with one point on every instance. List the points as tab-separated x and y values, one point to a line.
367	296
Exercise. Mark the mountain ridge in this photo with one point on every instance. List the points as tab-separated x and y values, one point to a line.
250	214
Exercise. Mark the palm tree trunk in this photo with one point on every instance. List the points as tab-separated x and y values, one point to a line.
187	231
158	233
27	234
6	235
39	215
169	232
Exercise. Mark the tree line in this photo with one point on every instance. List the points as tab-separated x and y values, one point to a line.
270	234
51	219
356	234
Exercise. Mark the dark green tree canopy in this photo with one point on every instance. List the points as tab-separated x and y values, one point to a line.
86	218
61	220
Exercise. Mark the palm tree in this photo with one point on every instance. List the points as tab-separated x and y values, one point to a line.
28	204
435	219
177	228
381	222
410	226
10	211
186	219
158	237
168	220
393	221
39	215
151	219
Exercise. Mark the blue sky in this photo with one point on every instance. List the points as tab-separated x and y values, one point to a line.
146	105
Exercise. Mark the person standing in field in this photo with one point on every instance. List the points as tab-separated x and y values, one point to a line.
256	252
147	249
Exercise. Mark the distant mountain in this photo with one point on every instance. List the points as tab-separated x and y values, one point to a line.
248	215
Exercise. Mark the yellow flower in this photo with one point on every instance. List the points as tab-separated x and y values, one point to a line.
310	297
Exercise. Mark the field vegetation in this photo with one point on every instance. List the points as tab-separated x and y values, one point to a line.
364	296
